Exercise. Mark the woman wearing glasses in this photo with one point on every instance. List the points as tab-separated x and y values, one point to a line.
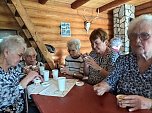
132	74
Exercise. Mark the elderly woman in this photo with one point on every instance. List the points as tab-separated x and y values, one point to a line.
97	66
29	60
74	63
132	74
115	44
30	57
11	88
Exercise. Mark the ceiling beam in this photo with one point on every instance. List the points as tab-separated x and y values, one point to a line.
78	3
112	5
42	1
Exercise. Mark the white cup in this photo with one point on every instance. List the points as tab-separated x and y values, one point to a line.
41	70
55	73
46	75
61	83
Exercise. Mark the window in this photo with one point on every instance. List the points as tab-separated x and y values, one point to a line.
6	32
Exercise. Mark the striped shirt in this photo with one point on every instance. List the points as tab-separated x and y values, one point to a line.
74	64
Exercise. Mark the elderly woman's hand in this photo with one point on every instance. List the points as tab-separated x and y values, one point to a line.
29	68
90	61
26	69
135	102
84	55
31	75
101	88
65	71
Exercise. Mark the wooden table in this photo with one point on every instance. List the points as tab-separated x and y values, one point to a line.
80	100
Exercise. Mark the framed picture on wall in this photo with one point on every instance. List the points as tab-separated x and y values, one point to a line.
6	32
65	29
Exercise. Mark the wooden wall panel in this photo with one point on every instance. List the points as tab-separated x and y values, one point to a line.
6	19
144	9
47	19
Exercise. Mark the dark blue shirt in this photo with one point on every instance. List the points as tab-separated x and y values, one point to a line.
127	79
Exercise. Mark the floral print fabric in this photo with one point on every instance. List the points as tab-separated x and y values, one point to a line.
10	94
127	79
105	62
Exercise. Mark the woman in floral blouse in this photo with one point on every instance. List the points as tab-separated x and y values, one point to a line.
11	88
132	73
98	66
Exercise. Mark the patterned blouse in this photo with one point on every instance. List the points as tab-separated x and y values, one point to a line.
105	62
126	78
10	92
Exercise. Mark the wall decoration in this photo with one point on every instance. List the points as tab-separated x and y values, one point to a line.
65	29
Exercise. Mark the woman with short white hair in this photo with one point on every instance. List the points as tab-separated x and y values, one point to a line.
29	60
74	63
115	44
11	88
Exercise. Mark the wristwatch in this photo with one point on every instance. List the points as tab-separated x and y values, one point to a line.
74	74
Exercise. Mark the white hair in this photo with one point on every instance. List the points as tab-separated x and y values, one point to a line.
75	42
116	41
146	18
12	43
29	51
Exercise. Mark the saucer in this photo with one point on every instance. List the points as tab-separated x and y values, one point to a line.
79	83
45	84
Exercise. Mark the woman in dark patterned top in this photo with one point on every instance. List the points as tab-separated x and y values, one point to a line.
102	57
11	88
132	73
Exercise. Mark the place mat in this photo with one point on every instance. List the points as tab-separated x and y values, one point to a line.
51	89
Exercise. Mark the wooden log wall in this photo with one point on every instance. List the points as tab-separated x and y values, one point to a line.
47	19
144	9
6	19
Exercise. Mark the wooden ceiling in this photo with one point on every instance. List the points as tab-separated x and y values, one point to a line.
103	5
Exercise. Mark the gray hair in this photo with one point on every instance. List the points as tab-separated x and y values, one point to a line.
116	41
75	42
12	43
29	51
145	18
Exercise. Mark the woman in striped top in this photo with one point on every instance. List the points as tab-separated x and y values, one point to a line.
74	63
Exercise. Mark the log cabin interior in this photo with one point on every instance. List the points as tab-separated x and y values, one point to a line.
39	21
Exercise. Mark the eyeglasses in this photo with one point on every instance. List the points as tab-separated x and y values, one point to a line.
142	36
